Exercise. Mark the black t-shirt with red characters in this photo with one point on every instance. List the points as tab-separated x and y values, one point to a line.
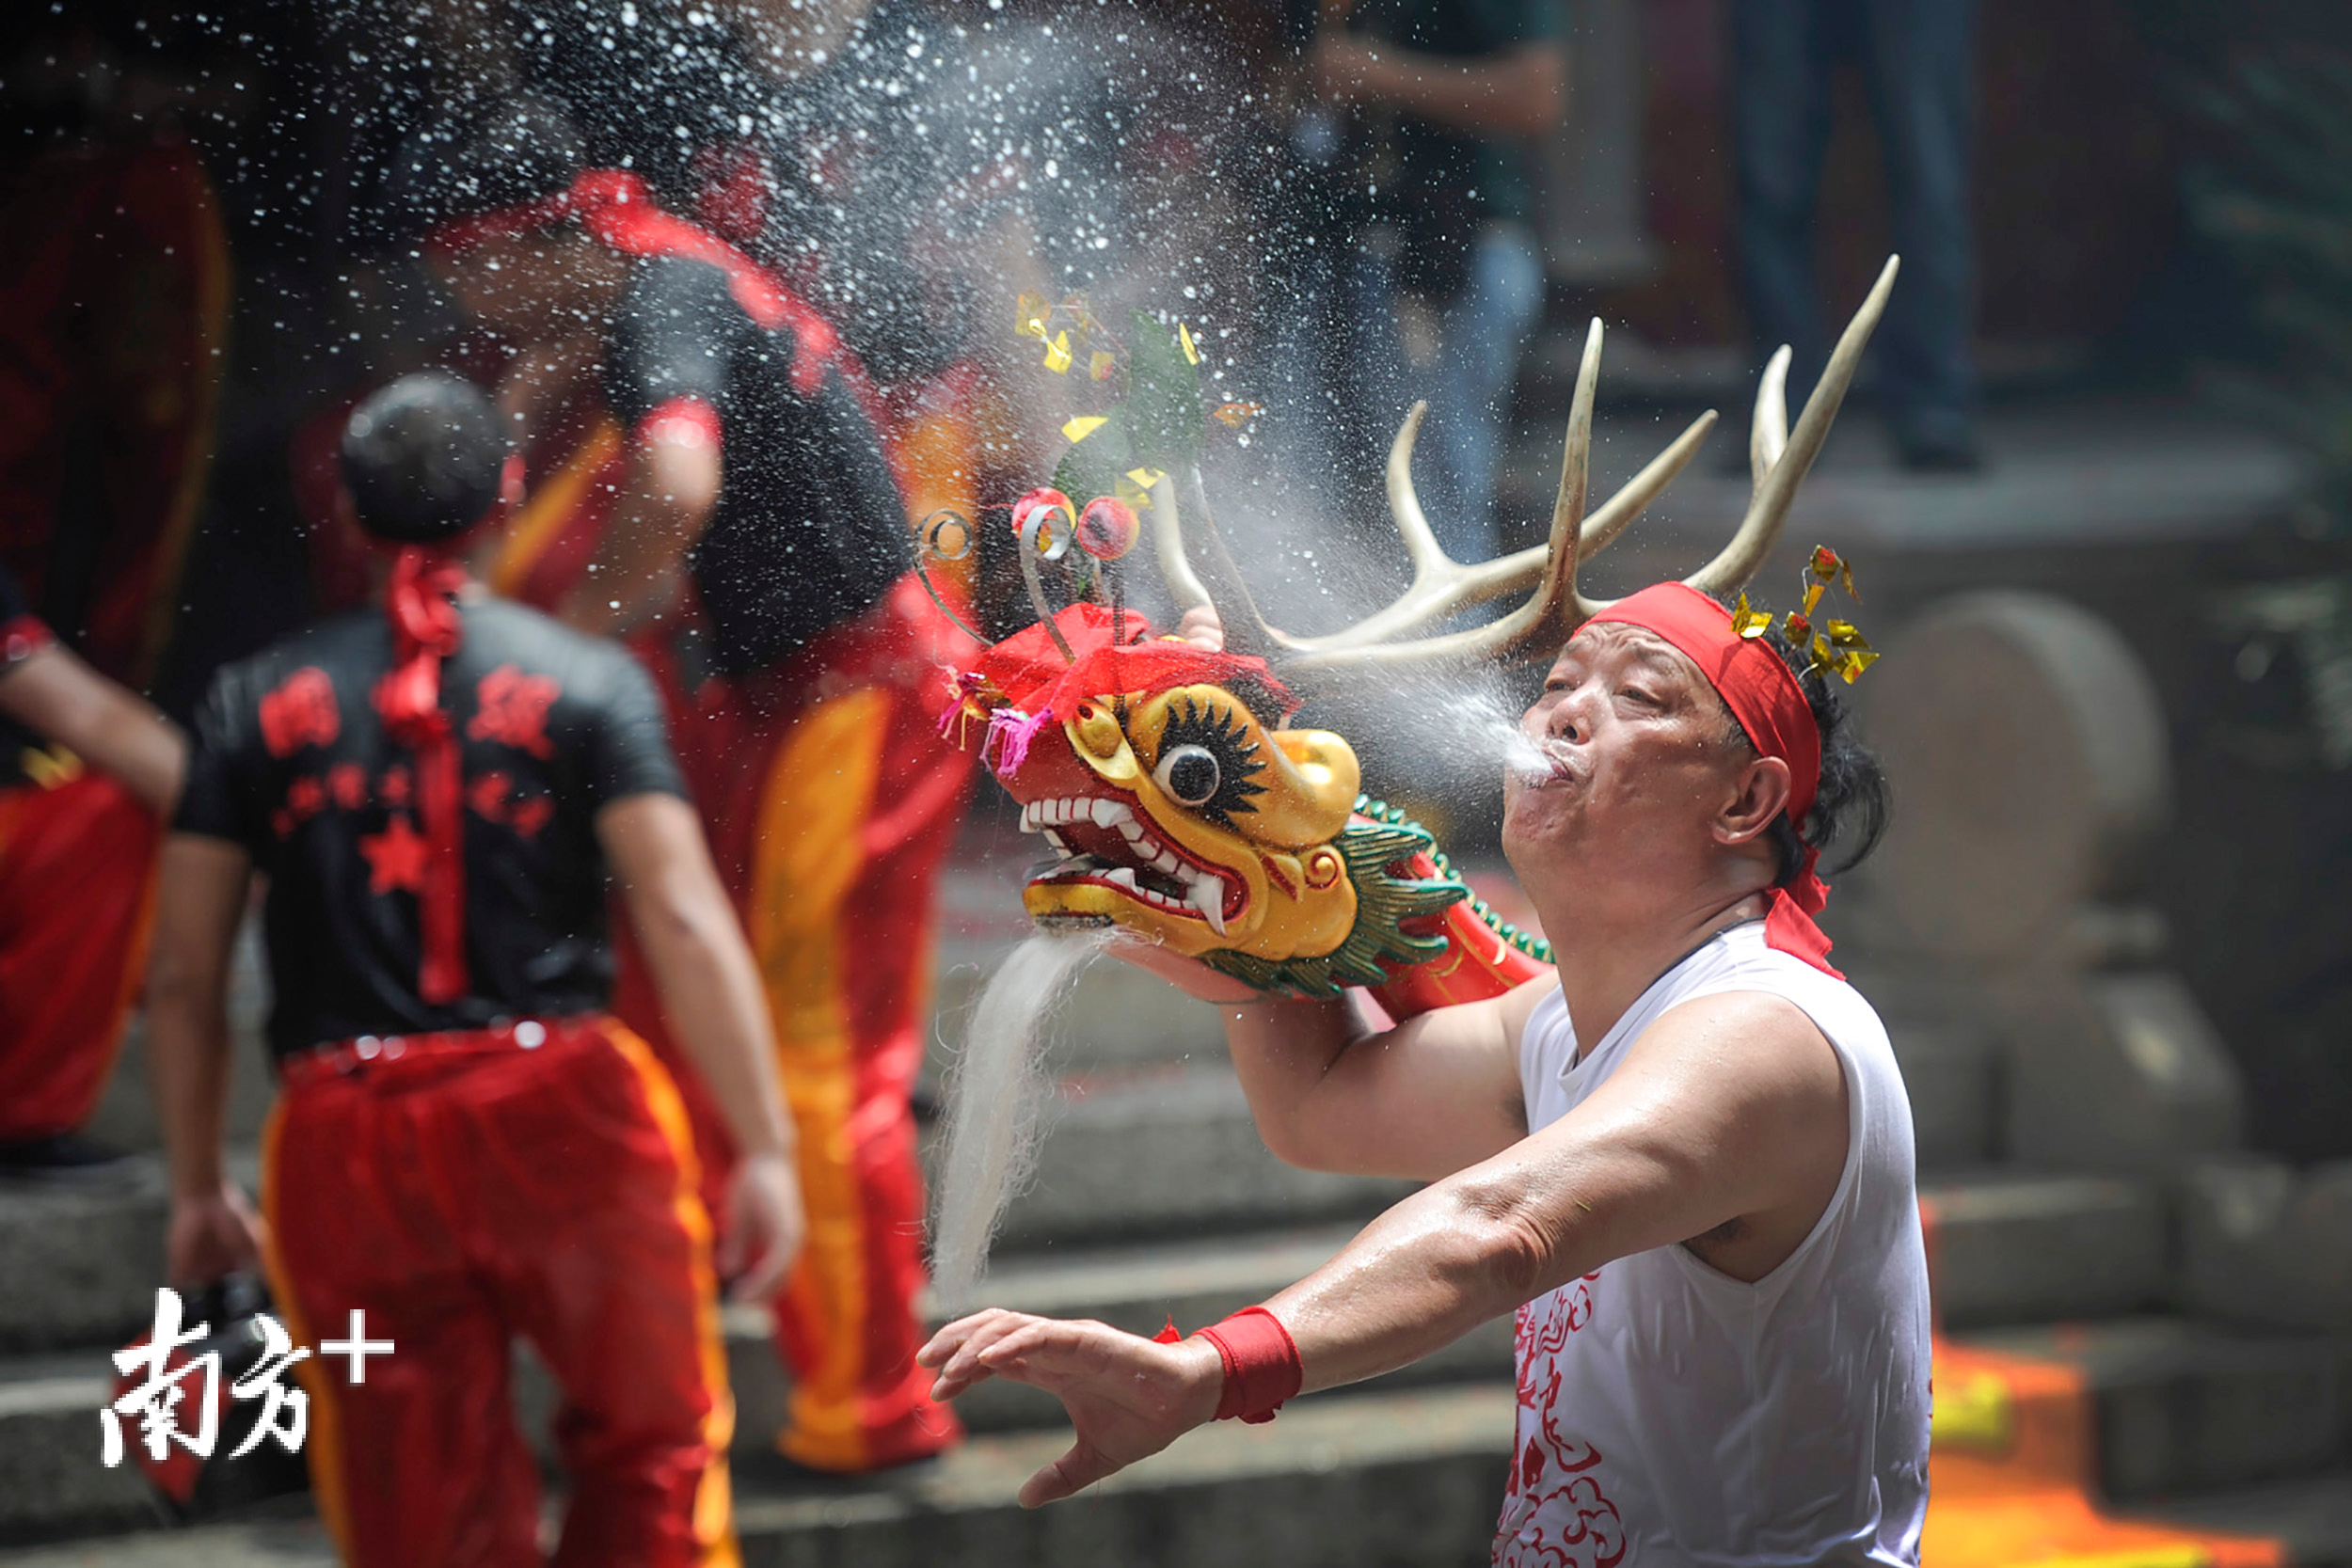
291	761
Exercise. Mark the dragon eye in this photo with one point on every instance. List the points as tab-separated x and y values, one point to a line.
1189	773
1207	760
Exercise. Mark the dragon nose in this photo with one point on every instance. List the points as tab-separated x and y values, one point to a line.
1098	731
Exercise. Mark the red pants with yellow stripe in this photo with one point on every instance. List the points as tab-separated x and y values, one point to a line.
830	800
77	885
461	1190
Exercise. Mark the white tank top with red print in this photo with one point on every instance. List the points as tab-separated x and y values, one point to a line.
1670	1414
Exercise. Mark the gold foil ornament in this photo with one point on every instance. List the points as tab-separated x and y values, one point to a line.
1101	366
1233	416
1079	426
1058	353
1029	316
1747	622
1183	341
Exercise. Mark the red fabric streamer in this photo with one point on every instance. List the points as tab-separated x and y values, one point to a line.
1764	696
427	630
1262	1365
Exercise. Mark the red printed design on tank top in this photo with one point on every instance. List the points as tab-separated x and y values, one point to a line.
1554	1512
300	712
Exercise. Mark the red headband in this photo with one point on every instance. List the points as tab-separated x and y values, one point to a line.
1764	696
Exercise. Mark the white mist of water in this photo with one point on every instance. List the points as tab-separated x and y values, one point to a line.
996	1098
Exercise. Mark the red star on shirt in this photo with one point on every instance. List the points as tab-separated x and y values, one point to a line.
395	858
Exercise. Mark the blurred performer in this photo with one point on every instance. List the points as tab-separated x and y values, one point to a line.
1448	279
88	770
755	546
467	1146
114	286
1918	59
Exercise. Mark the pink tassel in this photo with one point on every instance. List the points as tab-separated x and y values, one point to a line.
1012	730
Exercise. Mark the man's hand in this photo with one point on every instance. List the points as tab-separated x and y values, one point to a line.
210	1235
1189	976
766	1226
1128	1398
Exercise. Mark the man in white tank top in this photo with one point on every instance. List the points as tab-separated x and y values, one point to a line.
1686	1164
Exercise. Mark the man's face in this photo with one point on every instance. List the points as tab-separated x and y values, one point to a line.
1636	767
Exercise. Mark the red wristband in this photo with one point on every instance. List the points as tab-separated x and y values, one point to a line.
1262	1366
686	420
21	637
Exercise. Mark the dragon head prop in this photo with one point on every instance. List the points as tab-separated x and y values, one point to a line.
1179	801
1180	805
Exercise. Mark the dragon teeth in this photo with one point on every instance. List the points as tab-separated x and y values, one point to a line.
1207	894
1124	876
1110	812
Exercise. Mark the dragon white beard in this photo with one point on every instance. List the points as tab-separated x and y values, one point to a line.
996	1098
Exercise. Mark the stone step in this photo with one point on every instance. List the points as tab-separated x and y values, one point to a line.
2312	1515
2187	1406
2180	1405
1410	1478
1405	1478
2019	1247
1950	1072
1171	1153
1116	1017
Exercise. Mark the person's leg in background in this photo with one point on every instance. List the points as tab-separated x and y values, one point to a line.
77	865
1483	336
1781	52
860	801
1920	59
421	1461
600	1246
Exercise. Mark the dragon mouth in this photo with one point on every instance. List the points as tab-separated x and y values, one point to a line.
1104	840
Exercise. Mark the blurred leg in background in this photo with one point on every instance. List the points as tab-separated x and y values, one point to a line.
1481	343
1918	60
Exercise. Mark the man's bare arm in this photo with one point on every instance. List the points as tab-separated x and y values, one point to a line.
666	501
1327	1092
1729	1108
199	897
712	996
60	698
1517	92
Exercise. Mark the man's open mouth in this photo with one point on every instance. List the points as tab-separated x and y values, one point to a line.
1103	839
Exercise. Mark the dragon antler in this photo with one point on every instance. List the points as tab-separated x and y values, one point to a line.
1778	460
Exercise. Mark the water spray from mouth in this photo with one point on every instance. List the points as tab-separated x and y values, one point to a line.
996	1099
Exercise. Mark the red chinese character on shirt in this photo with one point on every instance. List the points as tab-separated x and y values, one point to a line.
304	797
514	711
347	781
301	712
394	787
531	815
487	794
